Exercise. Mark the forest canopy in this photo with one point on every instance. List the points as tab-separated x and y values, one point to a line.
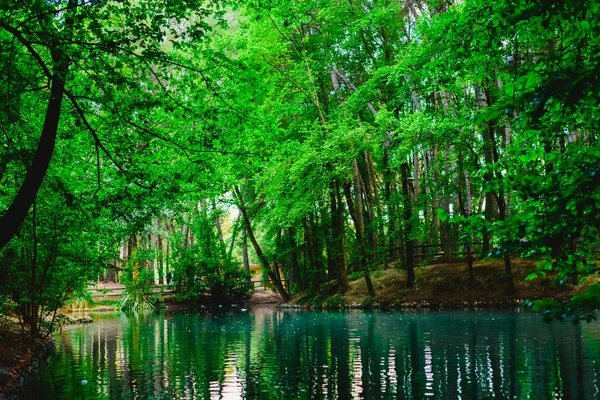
344	133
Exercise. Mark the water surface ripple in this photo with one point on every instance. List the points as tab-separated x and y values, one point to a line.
265	353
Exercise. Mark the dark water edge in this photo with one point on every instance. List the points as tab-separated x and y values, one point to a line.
273	353
24	376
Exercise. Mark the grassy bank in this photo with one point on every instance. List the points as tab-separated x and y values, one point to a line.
444	285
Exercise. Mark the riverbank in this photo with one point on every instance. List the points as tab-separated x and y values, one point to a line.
443	285
20	359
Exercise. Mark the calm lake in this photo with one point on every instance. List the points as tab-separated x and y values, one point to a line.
282	354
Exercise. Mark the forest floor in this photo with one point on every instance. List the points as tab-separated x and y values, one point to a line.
442	285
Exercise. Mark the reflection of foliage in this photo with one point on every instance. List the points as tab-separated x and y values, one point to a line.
276	354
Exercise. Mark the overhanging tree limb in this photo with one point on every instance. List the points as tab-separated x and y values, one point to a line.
18	209
16	213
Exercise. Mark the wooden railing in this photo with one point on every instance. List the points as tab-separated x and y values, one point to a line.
427	253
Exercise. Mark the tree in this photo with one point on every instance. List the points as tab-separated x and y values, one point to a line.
104	57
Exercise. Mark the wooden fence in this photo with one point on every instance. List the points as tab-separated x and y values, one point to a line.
426	254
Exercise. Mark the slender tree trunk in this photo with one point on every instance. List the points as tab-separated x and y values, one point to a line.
488	154
369	218
317	246
494	197
468	213
295	265
16	213
33	284
310	254
184	236
389	191
261	256
377	213
161	260
408	240
337	235
222	244
354	214
245	259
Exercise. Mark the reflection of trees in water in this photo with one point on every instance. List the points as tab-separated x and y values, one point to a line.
269	353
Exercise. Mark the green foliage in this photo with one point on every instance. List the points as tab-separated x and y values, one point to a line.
368	303
139	286
353	130
581	307
204	267
335	302
355	275
135	299
318	300
56	253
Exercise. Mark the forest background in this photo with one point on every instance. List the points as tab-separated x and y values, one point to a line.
340	133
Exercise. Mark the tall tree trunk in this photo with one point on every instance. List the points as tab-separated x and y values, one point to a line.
310	254
408	240
33	288
362	253
468	212
332	270
377	213
295	265
245	259
218	224
261	256
369	217
318	246
161	260
488	154
337	235
495	196
18	209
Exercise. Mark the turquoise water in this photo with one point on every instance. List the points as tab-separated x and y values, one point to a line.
265	353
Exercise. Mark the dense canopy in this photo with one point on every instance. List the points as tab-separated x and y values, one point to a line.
162	139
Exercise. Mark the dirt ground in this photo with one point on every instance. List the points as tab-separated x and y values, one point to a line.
265	297
448	284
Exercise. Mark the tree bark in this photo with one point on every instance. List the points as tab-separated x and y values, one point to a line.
408	240
359	238
261	256
245	259
337	235
295	265
16	213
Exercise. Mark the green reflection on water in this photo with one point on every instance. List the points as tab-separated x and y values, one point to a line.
282	354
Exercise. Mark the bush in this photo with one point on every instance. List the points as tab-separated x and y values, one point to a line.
139	286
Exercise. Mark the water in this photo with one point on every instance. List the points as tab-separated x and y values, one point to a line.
281	354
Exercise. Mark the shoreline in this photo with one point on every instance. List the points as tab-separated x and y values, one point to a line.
20	360
416	305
